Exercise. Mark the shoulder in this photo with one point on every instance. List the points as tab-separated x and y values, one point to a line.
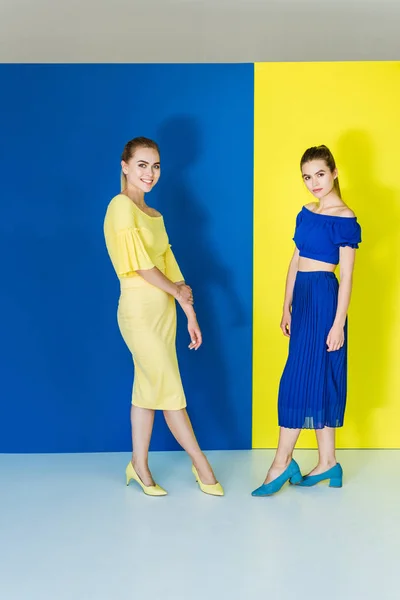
121	199
120	213
118	201
346	212
119	206
311	206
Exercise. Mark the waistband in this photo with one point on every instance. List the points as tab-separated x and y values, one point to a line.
310	274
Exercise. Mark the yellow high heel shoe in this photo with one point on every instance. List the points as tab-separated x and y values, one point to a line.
214	489
150	490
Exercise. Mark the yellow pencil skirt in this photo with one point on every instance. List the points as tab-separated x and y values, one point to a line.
147	322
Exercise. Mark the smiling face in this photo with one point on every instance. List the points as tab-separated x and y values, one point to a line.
318	177
142	171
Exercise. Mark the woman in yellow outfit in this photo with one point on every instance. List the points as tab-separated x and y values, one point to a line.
151	281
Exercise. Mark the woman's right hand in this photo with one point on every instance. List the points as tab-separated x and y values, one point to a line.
184	294
286	323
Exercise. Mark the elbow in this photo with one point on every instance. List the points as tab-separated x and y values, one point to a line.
145	272
346	277
294	264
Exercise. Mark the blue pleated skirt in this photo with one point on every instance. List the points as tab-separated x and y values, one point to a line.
313	387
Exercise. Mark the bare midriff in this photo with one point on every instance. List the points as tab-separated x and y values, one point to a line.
309	264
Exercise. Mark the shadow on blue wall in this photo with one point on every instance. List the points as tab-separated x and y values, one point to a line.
207	375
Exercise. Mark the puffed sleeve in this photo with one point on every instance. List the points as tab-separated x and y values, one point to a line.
131	254
347	232
172	270
299	219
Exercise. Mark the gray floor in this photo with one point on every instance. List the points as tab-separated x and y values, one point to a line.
71	530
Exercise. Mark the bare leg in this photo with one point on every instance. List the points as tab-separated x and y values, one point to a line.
326	450
142	420
283	456
181	428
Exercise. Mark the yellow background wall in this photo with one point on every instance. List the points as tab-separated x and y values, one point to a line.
353	108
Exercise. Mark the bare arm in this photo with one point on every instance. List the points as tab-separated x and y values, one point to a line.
189	311
183	295
196	338
290	279
335	338
347	258
286	321
179	290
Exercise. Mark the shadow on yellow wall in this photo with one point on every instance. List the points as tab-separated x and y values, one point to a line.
374	351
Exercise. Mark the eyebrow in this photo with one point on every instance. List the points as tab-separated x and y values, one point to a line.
320	171
147	163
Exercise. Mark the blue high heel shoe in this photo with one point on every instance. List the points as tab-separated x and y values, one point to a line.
335	474
292	474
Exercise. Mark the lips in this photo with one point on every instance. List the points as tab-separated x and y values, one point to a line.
317	190
147	181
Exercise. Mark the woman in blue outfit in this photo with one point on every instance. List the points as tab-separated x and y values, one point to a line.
312	391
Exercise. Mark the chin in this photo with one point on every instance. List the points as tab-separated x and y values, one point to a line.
145	188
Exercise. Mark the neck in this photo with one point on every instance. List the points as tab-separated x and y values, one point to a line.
331	199
136	195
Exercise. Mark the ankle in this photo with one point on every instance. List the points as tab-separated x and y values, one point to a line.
141	464
327	463
281	462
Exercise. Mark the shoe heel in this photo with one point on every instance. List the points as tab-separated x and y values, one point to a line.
336	482
296	478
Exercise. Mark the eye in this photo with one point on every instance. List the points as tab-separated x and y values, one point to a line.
156	166
142	165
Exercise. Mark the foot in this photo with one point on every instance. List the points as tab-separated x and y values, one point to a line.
144	473
276	469
205	471
322	467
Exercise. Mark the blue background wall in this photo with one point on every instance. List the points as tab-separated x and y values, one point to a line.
66	375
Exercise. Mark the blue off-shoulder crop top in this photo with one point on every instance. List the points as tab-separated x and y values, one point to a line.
320	236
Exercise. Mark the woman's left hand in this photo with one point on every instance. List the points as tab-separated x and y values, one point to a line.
335	339
195	334
184	294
